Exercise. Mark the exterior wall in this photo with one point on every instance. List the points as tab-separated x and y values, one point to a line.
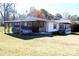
50	27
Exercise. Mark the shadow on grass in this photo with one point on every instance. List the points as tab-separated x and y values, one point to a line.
33	35
28	36
57	34
75	33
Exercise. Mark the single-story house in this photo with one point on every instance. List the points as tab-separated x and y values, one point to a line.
40	25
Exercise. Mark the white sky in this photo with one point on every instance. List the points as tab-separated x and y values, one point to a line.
22	5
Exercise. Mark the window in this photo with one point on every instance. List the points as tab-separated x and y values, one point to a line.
29	24
54	26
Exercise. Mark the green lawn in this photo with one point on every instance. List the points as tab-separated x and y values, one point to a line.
38	45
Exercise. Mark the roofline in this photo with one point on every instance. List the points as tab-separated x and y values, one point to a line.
37	19
21	21
32	21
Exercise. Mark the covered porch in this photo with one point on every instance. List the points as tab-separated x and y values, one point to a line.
36	25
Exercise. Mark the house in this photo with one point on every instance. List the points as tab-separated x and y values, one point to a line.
39	25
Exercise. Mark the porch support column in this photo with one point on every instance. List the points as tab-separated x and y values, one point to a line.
4	27
20	27
8	28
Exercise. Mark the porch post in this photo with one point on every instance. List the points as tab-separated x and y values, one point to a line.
8	27
20	27
4	27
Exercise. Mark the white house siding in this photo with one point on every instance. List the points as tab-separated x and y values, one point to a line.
50	27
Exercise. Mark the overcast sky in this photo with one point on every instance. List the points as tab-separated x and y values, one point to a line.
52	6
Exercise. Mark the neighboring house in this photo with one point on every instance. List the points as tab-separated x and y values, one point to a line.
40	25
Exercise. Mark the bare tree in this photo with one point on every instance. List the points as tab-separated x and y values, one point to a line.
6	9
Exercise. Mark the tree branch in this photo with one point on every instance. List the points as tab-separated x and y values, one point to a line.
1	14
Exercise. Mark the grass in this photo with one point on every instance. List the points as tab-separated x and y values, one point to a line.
35	45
